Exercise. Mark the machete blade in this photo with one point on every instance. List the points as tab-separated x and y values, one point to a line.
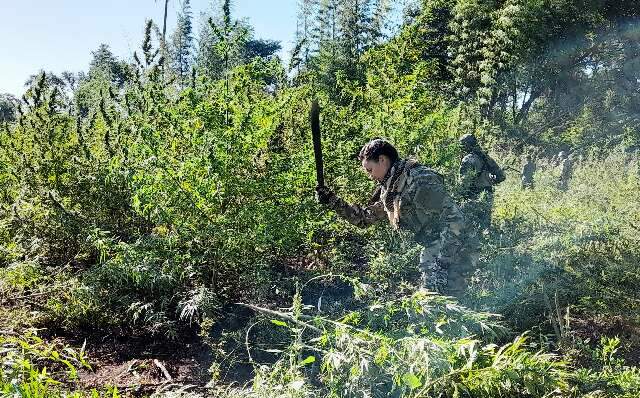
317	141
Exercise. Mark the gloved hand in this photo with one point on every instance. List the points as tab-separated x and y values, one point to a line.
324	195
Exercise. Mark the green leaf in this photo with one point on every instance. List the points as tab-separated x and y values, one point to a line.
411	380
308	360
279	323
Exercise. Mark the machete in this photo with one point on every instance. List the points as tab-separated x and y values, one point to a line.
317	142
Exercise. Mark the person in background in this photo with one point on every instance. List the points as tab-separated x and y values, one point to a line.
528	170
566	170
479	173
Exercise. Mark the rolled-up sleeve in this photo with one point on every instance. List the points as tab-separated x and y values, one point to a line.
360	216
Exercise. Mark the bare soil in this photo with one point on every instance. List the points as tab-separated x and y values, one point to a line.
141	365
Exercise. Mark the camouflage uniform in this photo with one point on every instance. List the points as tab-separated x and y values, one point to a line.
528	170
566	170
478	174
478	171
413	198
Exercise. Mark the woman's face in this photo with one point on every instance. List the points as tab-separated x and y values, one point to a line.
376	170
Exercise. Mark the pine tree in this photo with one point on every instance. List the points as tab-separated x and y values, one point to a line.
223	42
305	45
105	64
181	45
326	29
8	107
208	59
378	26
352	21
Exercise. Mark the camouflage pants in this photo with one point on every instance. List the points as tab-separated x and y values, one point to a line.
477	211
563	183
527	182
440	265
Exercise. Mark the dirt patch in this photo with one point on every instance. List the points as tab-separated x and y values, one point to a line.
144	376
141	365
593	329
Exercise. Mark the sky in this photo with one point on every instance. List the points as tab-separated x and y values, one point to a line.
59	36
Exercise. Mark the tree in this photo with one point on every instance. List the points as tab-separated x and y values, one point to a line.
304	42
225	43
105	65
221	42
378	26
106	73
164	24
261	48
332	36
181	44
51	79
8	107
65	85
354	24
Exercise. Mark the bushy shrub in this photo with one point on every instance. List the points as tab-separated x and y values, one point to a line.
419	345
31	367
556	249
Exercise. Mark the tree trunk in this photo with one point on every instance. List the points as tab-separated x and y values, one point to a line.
524	110
164	23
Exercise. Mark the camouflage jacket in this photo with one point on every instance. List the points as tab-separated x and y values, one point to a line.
566	169
413	198
528	170
478	172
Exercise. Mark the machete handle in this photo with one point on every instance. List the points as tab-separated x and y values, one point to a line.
314	115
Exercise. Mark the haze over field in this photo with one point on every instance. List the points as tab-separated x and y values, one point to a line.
176	221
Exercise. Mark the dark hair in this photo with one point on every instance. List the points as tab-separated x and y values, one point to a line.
373	149
468	141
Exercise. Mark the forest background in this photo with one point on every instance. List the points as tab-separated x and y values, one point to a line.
168	202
